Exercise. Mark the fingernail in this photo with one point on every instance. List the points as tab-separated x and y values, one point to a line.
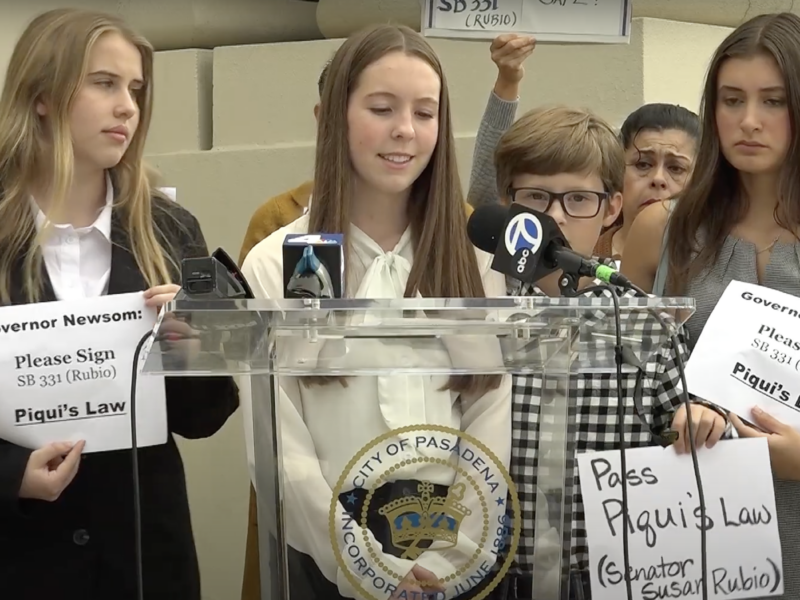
757	411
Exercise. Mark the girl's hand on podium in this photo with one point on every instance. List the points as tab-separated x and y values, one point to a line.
178	335
178	338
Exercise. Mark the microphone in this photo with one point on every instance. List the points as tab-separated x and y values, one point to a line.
313	265
529	245
213	277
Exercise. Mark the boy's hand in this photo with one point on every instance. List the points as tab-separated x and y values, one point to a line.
783	440
509	51
708	424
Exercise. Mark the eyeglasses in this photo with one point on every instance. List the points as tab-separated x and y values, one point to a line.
579	204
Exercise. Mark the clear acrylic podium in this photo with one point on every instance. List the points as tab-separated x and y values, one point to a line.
327	378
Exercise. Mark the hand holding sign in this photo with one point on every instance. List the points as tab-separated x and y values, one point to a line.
50	470
159	295
509	52
176	335
784	442
709	425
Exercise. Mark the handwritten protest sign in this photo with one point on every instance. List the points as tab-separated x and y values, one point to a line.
664	522
563	21
749	353
66	374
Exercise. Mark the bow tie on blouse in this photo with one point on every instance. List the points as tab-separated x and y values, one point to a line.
402	396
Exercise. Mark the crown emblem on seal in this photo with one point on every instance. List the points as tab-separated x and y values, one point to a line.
414	519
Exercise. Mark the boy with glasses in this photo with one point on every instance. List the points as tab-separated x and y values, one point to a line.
569	164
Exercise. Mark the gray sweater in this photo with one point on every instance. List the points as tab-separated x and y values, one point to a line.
497	118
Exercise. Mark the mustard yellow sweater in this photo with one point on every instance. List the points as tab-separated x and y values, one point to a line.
275	213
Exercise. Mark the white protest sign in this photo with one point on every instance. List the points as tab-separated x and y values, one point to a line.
560	21
66	374
171	193
749	353
743	545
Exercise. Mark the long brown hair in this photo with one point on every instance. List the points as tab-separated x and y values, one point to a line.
49	62
712	202
436	209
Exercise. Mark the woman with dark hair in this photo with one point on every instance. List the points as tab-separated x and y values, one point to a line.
738	219
660	142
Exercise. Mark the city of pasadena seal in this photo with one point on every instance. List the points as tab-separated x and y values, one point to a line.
424	512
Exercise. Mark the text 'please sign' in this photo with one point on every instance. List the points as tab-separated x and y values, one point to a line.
664	522
562	21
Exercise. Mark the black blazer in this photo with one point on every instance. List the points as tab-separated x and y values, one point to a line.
81	546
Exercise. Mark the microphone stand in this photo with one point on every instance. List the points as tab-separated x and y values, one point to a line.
568	283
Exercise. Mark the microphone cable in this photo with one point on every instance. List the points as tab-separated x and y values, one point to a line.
137	500
623	465
686	402
137	493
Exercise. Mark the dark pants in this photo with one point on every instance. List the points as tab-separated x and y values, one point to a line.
306	581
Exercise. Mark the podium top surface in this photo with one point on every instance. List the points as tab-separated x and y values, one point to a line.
454	304
411	335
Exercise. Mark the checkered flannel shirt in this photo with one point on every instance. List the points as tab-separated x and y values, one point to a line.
595	410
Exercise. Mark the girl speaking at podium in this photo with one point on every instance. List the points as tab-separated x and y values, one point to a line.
386	178
79	219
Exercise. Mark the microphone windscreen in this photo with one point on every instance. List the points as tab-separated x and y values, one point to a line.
485	226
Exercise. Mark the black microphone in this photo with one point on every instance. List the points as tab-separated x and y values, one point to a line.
213	277
528	245
313	265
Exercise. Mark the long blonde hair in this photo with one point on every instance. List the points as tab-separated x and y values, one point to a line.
436	208
49	63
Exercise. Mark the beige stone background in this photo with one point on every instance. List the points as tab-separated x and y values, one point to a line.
235	87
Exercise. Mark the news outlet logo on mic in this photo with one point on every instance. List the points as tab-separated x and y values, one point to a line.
523	237
304	239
